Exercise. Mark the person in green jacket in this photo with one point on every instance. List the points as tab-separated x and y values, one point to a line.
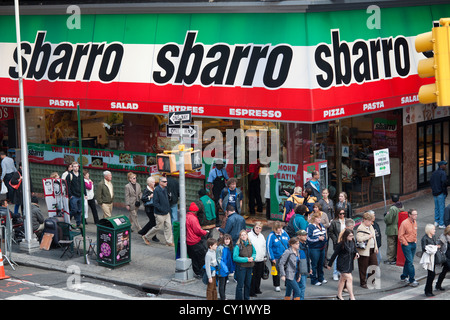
391	220
208	214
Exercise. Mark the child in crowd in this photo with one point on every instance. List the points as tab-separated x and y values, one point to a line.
210	268
225	262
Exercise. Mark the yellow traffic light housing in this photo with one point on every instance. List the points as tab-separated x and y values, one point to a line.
192	160
166	163
437	40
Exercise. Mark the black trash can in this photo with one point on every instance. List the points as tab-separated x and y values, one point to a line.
114	241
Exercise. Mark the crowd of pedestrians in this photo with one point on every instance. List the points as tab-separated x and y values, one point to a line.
316	233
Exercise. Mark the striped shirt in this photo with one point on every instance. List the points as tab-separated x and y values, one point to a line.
313	234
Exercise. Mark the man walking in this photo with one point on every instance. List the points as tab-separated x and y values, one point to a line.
438	183
8	169
74	181
105	194
162	214
391	220
407	235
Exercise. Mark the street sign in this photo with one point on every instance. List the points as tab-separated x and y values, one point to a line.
180	117
382	163
189	131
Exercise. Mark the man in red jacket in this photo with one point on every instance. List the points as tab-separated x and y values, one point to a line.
196	246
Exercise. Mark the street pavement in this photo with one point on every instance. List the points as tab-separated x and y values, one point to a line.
152	267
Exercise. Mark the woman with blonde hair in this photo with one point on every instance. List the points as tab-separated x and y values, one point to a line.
244	255
147	199
367	247
430	246
277	243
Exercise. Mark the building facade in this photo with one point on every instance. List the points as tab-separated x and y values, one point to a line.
328	85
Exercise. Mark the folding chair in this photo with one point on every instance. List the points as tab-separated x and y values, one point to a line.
67	238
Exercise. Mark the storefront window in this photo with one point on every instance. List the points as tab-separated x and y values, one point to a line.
359	137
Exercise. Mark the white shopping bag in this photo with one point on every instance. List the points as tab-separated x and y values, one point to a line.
4	188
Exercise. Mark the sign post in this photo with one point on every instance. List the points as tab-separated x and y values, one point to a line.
183	265
382	168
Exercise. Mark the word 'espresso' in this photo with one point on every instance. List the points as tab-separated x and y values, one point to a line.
344	63
64	60
223	65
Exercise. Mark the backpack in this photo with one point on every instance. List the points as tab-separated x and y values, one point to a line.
289	215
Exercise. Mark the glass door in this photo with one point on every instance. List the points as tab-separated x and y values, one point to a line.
432	147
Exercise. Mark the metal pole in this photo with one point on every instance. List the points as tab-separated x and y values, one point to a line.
182	215
80	147
23	136
384	195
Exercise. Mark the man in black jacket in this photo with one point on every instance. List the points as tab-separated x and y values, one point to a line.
74	181
438	183
162	214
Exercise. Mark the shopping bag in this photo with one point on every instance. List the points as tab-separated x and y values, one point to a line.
4	189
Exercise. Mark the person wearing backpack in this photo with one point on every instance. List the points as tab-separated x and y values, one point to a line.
391	221
298	221
290	270
289	205
225	263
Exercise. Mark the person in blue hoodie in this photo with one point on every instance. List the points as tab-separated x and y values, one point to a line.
277	242
225	261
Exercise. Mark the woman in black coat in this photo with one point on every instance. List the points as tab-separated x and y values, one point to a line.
345	252
147	199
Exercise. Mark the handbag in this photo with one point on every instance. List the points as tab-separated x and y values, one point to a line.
439	257
303	264
362	244
266	272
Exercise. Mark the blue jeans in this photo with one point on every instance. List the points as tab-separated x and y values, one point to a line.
174	212
439	206
292	285
75	209
317	257
408	269
302	286
243	277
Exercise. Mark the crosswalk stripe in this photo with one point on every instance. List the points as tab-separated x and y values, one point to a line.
412	293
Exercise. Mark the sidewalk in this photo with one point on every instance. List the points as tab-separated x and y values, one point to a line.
152	268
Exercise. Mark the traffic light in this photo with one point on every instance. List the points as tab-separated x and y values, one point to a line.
192	160
438	40
166	163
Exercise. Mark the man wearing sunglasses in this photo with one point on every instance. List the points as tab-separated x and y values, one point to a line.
162	211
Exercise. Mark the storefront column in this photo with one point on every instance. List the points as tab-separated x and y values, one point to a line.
338	159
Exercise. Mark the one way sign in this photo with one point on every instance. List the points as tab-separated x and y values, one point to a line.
180	117
188	131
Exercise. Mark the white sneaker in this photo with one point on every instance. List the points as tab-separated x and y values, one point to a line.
436	224
318	284
441	227
324	281
277	289
335	277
